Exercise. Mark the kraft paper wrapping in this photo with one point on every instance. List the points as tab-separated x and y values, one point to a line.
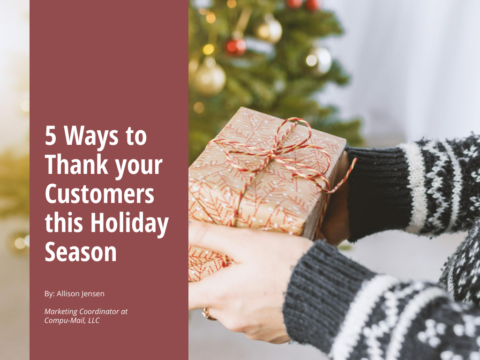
274	201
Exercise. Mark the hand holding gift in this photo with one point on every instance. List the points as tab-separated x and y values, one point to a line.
249	296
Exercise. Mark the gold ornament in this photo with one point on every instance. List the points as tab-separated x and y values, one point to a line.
210	78
269	29
321	59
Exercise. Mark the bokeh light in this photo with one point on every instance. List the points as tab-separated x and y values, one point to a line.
208	49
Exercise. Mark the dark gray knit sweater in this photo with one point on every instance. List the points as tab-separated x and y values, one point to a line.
350	312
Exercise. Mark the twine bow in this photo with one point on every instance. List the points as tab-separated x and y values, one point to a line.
275	153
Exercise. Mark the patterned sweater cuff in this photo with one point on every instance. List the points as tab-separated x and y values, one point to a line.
322	287
379	196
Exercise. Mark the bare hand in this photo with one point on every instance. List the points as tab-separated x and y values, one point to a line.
247	296
336	227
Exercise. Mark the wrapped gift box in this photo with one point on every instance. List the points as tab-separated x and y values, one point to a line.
272	199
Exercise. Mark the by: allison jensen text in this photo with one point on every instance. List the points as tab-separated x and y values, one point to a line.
79	294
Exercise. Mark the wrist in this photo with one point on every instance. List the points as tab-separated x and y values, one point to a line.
379	197
322	287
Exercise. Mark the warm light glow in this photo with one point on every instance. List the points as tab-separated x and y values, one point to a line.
192	66
211	18
208	49
231	4
210	62
20	243
203	11
25	106
264	31
311	60
199	107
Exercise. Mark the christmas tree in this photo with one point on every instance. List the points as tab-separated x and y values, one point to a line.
14	185
266	55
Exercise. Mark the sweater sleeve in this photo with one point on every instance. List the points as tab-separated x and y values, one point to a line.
426	187
351	313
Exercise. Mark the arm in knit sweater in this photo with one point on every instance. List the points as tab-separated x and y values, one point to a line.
349	312
426	188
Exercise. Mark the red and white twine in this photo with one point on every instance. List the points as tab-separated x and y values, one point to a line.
275	154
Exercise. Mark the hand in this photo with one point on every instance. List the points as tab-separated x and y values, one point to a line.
248	295
336	225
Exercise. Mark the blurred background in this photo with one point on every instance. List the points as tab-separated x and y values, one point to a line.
14	179
375	72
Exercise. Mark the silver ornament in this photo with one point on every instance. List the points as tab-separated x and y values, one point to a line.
269	29
321	59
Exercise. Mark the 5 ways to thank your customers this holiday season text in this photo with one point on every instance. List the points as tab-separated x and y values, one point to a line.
125	222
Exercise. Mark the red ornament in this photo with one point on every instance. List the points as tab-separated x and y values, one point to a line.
236	47
294	4
313	5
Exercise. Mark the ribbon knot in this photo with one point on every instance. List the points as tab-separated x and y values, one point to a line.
298	169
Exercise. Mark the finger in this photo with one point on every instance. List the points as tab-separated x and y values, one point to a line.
206	293
214	314
199	295
212	291
233	242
